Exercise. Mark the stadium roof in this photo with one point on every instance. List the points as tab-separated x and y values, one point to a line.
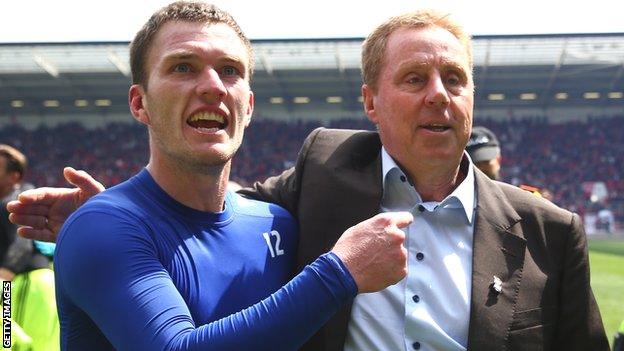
511	70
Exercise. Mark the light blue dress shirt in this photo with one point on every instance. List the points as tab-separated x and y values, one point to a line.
430	308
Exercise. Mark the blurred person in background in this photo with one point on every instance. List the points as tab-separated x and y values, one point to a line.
484	150
35	323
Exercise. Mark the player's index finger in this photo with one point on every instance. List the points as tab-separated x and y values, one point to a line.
40	196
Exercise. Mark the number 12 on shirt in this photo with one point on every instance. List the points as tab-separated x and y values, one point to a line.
275	250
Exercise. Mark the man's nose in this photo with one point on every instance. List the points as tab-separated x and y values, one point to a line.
210	86
437	94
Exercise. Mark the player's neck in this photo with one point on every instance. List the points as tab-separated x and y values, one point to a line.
203	191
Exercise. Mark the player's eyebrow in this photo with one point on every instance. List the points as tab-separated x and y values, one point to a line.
180	55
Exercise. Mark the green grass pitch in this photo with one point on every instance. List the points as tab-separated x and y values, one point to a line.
606	258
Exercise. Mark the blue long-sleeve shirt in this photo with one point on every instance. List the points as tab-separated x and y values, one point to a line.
137	270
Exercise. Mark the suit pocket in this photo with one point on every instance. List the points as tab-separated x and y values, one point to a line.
535	317
532	329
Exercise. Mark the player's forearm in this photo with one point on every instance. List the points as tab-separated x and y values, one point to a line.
284	320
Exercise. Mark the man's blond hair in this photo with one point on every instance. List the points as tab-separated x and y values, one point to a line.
374	47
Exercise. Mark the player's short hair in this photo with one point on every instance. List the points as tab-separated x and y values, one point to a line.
15	160
374	47
188	11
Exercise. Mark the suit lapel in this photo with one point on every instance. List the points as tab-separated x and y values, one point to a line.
498	251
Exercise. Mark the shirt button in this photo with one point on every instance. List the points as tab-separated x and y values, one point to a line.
403	179
416	298
420	256
416	345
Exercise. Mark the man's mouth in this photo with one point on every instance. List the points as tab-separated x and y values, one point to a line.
436	127
207	122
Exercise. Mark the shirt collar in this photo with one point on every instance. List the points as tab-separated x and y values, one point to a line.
387	164
464	193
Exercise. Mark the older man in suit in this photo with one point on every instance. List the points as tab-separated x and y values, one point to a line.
491	267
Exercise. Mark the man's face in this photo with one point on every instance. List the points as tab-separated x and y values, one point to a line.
198	101
424	97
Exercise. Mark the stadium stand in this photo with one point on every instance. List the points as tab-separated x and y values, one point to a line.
535	152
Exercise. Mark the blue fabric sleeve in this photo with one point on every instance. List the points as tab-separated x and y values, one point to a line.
112	273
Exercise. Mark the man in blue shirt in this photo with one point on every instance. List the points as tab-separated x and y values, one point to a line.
170	259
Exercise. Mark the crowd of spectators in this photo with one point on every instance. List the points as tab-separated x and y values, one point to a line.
558	157
566	159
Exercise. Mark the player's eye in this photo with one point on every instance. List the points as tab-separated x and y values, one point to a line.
182	68
230	71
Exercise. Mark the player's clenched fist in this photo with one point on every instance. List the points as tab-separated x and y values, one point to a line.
373	250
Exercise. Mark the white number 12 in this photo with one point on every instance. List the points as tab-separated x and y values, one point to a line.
277	251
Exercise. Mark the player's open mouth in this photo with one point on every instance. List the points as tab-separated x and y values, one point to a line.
207	122
436	127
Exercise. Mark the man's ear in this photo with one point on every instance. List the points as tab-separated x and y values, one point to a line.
137	103
369	103
250	108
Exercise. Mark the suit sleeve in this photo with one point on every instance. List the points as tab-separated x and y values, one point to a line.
112	273
285	188
580	325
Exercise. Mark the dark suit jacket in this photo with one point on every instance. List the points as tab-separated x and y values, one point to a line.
537	249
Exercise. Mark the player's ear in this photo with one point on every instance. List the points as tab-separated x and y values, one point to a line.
249	110
137	103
